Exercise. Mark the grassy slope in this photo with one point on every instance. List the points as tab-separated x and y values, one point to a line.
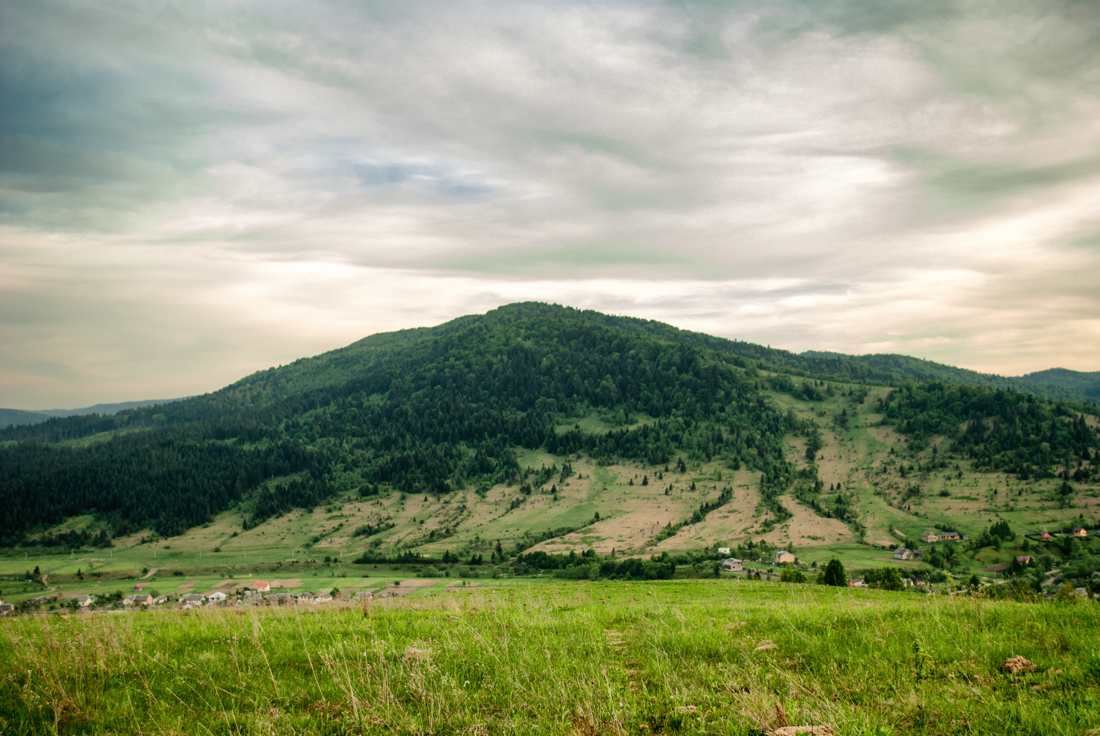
859	460
693	657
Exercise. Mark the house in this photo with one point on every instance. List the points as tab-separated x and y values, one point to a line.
261	586
253	599
85	600
303	598
1024	559
723	550
138	599
282	599
1046	536
161	599
857	584
950	536
1080	531
783	557
6	608
732	565
216	597
192	600
139	587
918	553
323	598
907	582
930	537
901	553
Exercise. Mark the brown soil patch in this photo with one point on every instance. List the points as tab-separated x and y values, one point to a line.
291	583
805	524
230	584
419	583
187	586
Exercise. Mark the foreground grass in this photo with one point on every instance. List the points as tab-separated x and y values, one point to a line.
598	658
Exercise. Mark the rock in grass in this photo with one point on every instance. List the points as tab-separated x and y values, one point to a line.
1014	665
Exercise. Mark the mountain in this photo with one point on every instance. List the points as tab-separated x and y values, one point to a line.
553	428
18	417
105	409
1073	382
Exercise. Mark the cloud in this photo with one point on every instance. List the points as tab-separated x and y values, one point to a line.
189	192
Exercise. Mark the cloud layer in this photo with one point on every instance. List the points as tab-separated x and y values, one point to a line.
190	192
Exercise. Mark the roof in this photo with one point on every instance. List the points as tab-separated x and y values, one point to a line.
261	583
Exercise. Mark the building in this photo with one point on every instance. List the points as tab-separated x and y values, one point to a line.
732	565
6	609
857	584
216	597
161	599
1024	559
1080	531
138	599
1046	536
261	586
323	598
303	598
930	537
192	599
901	553
723	550
950	536
783	557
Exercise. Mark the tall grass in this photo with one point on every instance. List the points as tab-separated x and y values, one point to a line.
596	658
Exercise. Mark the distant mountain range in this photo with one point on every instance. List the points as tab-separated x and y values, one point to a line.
18	417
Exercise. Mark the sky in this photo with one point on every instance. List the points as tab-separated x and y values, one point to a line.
193	191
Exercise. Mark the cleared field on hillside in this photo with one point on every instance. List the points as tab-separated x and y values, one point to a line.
598	658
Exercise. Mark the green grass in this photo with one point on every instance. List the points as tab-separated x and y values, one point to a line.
717	657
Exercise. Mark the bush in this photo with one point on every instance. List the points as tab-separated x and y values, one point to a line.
429	572
790	575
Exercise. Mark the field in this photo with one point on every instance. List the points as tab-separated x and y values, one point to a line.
720	657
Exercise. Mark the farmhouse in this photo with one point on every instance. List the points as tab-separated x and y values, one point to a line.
1046	536
85	600
216	597
138	599
6	608
1024	559
323	598
930	537
857	584
950	536
901	553
1080	531
193	599
282	599
261	586
304	598
783	557
723	550
161	599
732	565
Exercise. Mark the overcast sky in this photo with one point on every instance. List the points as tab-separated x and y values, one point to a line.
191	191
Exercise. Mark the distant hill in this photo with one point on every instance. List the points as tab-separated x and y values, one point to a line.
105	409
1075	382
533	421
18	417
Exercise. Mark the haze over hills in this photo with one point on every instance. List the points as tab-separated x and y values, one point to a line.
17	417
554	429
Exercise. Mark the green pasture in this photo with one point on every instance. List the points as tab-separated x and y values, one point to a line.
700	657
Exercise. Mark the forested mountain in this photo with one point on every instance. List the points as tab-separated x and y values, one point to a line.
429	411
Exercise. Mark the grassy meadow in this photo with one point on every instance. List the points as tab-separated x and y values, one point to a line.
720	657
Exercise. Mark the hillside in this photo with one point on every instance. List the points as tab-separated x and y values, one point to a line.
537	428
